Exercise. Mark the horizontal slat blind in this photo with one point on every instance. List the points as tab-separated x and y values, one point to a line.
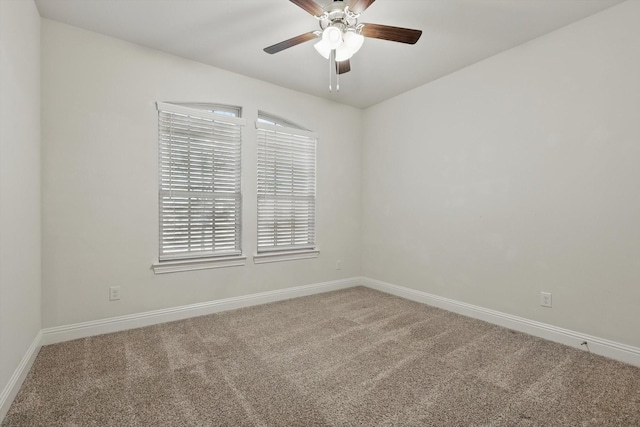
200	200
286	188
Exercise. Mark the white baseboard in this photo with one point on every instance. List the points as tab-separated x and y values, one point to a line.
15	382
611	349
138	320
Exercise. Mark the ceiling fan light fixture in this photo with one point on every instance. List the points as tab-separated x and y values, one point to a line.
332	36
343	53
353	41
323	49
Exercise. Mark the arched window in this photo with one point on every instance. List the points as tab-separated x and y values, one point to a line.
286	185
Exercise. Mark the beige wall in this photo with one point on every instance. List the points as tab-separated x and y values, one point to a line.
100	211
19	182
517	175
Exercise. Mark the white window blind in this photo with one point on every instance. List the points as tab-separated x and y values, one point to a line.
199	190
286	188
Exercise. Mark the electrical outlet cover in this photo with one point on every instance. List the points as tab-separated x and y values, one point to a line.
545	299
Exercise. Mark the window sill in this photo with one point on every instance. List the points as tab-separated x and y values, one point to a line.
274	256
198	264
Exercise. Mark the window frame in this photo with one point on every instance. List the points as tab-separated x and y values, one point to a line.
217	115
267	122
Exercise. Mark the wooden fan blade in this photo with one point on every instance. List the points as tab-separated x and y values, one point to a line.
290	43
343	67
359	6
394	34
310	6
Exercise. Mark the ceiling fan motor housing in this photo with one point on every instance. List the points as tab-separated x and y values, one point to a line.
340	17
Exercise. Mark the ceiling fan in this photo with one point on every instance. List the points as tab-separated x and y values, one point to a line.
341	35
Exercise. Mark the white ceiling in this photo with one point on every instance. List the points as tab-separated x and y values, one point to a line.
231	34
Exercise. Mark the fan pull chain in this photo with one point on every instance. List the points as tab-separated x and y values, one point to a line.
330	56
331	62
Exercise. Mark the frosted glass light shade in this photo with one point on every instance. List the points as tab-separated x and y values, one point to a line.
332	36
343	53
353	41
323	49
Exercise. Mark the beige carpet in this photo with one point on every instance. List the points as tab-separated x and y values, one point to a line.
352	357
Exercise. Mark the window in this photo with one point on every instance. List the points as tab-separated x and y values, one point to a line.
199	190
286	186
277	121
